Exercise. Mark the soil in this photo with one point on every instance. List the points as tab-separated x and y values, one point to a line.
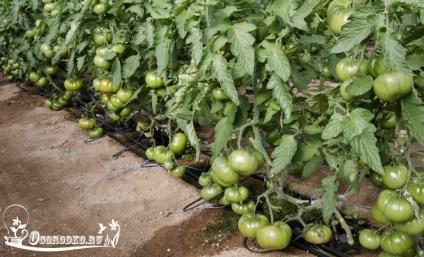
47	166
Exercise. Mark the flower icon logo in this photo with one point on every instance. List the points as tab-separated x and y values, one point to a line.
16	230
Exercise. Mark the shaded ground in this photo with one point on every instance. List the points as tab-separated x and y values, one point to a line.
46	166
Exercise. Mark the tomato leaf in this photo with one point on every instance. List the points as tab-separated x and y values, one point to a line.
298	18
222	135
116	73
137	10
360	85
348	171
230	112
277	60
416	61
334	127
356	30
196	45
308	151
413	113
162	55
223	75
241	44
357	122
329	198
180	21
365	146
80	62
312	165
312	39
394	52
131	64
283	154
281	93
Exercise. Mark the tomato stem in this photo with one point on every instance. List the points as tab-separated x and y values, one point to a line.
344	225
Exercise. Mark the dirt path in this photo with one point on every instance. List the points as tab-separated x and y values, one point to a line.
46	166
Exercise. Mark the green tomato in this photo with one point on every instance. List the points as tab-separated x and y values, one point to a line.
205	179
412	227
210	191
179	142
150	153
42	82
326	73
395	177
291	48
124	94
106	86
153	80
347	68
34	76
115	102
376	179
394	208
377	66
242	162
416	188
51	69
250	223
86	123
178	171
296	169
275	236
223	172
317	233
389	120
338	13
378	216
369	239
243	208
125	111
100	8
348	97
236	194
223	201
101	62
95	133
396	242
73	85
141	126
219	94
392	85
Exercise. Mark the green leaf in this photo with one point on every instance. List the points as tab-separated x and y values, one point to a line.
283	154
348	171
334	127
222	136
413	113
230	112
416	61
196	44
162	55
308	151
137	9
312	39
277	60
356	123
312	166
280	90
190	131
334	161
180	21
365	145
116	73
131	64
329	198
394	52
223	75
360	85
355	31
218	43
298	18
80	62
241	44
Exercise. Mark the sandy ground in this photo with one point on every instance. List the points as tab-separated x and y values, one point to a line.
46	166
